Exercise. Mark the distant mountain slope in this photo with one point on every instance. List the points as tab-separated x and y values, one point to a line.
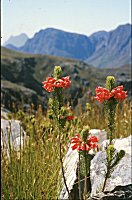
59	43
101	49
112	48
22	75
16	41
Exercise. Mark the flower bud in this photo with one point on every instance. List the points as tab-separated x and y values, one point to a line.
88	106
57	72
85	133
110	83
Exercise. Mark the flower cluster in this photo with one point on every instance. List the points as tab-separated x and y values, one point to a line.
79	144
118	93
52	83
103	94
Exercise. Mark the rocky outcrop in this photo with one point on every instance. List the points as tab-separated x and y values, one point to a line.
12	135
119	193
119	177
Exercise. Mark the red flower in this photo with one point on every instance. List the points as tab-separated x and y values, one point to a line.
79	144
91	142
118	93
70	118
52	83
102	94
48	84
76	142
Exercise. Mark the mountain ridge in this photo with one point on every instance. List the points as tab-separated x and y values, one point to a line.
101	49
16	41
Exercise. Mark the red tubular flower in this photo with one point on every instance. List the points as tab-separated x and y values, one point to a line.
64	82
78	144
52	83
91	142
118	93
48	84
70	118
102	94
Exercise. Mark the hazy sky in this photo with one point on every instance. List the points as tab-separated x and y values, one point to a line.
80	16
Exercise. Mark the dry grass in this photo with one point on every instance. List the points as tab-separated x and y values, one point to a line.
34	174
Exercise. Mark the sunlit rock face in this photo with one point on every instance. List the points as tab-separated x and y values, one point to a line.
70	166
12	133
121	175
122	172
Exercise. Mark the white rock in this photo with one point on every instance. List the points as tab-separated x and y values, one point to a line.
122	143
70	167
11	130
122	172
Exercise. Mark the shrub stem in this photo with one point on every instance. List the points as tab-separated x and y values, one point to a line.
62	168
79	185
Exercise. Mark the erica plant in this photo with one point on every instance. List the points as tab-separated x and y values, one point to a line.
60	114
110	96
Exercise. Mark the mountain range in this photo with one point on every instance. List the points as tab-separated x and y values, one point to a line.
16	41
101	49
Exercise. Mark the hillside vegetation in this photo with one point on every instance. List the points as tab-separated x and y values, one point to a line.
22	76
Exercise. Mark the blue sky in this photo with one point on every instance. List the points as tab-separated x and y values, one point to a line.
80	16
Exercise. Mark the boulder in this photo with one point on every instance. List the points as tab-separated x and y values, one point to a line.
70	166
12	134
119	175
119	193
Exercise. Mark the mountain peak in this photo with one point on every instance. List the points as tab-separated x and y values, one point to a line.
17	41
101	49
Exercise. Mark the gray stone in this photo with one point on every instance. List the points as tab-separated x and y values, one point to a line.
12	131
70	166
119	193
98	168
122	172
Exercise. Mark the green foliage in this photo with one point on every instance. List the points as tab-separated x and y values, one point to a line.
22	76
37	174
88	157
